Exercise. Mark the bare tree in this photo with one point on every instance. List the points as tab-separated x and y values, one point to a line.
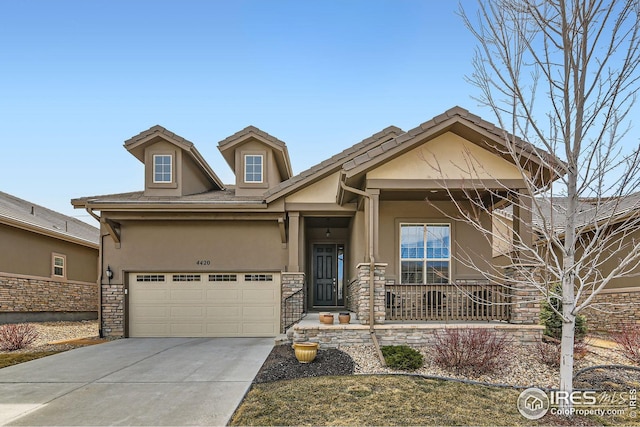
563	76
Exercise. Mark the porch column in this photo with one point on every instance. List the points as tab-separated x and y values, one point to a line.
360	293
522	230
294	237
374	205
525	299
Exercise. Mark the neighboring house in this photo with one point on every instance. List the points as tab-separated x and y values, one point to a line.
618	303
48	264
191	256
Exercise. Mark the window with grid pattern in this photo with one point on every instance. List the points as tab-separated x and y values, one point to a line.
253	168
425	253
162	169
59	266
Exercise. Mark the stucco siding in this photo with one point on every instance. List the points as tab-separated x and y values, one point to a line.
193	180
357	244
632	279
323	191
456	157
27	253
180	245
465	240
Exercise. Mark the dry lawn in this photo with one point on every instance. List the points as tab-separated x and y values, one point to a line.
389	400
8	359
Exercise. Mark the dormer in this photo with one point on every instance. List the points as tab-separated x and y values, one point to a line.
258	160
173	166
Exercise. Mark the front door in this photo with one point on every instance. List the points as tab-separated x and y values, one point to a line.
325	277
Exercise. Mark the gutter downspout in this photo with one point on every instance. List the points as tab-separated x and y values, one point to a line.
90	212
372	265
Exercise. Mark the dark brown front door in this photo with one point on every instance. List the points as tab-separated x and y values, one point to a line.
325	277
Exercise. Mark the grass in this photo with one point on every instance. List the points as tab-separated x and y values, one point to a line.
8	359
390	400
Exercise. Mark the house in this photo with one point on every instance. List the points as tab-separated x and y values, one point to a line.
615	223
370	230
48	264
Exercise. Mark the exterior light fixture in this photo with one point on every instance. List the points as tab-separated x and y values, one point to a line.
109	273
328	232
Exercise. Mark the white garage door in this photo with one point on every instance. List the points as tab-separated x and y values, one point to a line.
204	305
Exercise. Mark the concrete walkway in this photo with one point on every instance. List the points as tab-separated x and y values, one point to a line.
135	381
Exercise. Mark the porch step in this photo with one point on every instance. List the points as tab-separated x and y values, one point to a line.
282	339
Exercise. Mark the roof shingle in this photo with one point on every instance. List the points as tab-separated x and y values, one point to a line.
25	212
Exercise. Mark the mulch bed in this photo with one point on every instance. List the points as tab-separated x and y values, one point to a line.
283	365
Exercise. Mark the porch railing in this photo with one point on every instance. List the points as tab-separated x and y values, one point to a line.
447	302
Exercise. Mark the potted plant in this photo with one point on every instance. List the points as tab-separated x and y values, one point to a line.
344	318
305	351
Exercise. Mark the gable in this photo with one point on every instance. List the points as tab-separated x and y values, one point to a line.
190	173
323	191
447	156
229	146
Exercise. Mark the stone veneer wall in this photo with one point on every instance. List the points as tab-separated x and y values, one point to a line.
525	300
24	298
622	309
113	310
295	307
416	335
361	293
352	295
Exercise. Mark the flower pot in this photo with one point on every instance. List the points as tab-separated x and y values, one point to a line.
321	317
344	318
305	351
327	319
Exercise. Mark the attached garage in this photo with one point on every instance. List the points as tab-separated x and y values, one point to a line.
204	304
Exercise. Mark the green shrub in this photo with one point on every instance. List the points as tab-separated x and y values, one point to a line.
552	321
402	357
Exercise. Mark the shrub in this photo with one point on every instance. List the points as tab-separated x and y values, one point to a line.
471	351
549	352
402	357
552	321
629	341
16	336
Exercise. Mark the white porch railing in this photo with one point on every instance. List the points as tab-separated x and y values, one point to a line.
447	302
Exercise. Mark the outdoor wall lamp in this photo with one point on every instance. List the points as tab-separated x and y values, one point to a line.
109	274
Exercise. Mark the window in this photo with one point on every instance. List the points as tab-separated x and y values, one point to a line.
162	172
223	278
425	254
253	168
258	277
59	265
150	278
186	277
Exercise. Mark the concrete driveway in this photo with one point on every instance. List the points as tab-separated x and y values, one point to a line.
135	381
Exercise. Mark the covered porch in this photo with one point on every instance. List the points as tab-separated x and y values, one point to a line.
465	301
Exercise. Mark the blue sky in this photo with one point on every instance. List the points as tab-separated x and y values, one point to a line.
79	78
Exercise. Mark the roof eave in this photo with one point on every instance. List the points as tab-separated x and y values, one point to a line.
103	205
